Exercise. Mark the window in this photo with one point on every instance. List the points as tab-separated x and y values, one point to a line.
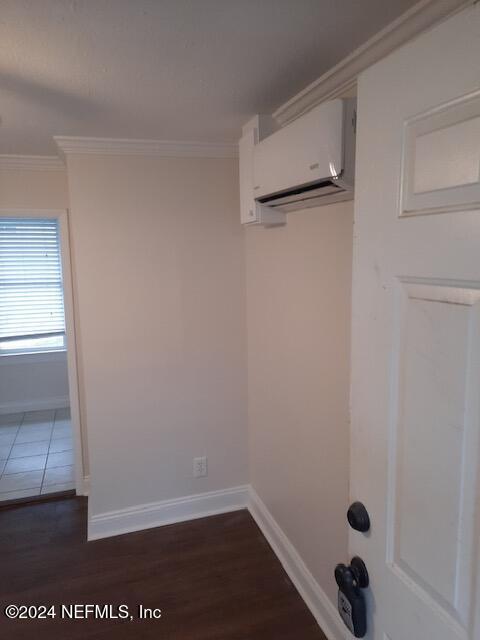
31	290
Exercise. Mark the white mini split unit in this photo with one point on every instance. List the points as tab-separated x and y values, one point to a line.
308	163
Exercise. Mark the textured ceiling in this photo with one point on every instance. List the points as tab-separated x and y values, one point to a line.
165	69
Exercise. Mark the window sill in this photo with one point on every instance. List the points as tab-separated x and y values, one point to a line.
33	357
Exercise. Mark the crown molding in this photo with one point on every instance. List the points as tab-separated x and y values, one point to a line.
31	163
341	79
161	148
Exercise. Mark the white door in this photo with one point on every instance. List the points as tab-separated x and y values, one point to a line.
416	335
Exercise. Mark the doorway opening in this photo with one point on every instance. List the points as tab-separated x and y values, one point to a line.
40	439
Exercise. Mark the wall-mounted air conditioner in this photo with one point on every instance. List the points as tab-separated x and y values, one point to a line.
307	163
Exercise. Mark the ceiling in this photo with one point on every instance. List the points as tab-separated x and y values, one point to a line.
165	69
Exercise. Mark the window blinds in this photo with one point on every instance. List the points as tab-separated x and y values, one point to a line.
31	291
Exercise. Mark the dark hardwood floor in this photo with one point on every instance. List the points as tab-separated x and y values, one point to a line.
214	578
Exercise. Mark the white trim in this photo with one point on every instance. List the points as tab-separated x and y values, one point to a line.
446	199
31	163
85	489
313	595
41	404
161	148
341	78
156	514
78	429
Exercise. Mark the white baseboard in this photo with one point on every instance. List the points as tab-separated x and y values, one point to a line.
313	595
155	514
35	405
84	490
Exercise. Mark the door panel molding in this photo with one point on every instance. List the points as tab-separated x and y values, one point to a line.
442	143
436	346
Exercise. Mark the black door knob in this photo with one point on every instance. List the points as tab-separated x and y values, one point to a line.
358	517
353	576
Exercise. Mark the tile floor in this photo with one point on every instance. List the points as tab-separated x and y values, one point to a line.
36	453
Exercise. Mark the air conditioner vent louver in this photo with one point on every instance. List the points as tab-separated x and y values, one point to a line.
310	195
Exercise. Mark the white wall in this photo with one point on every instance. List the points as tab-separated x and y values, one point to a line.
32	382
33	188
29	382
298	310
159	282
159	267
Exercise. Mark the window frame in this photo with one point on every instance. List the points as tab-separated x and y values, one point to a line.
5	353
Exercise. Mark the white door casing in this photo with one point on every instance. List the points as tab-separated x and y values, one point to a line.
80	449
416	335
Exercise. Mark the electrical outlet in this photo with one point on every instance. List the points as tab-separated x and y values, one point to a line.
200	467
